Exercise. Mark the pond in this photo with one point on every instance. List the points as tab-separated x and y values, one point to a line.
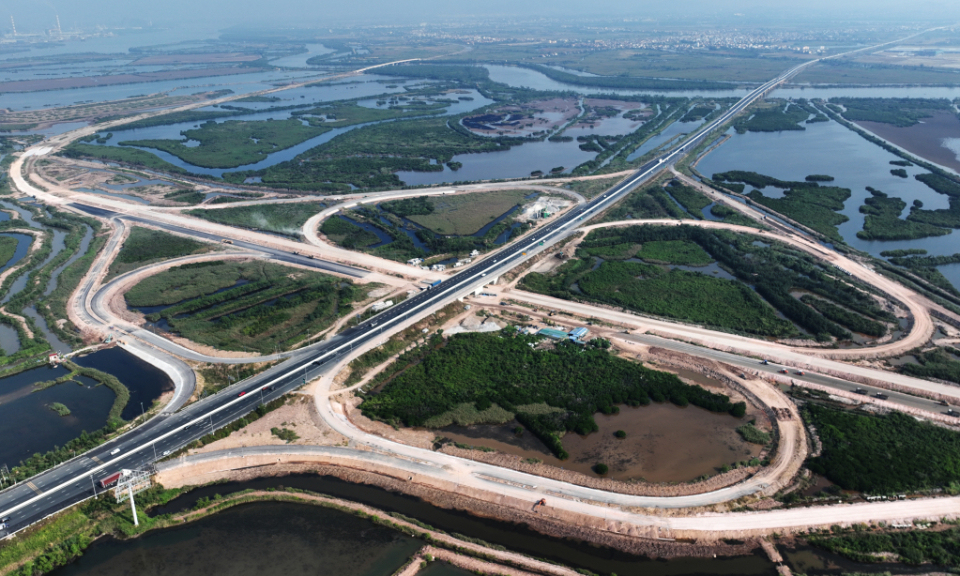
664	443
829	148
258	539
515	537
145	381
28	425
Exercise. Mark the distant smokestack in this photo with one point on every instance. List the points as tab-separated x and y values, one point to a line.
14	24
59	31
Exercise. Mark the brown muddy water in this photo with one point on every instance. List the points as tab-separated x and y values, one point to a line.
935	138
664	443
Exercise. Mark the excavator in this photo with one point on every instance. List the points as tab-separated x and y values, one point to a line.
541	502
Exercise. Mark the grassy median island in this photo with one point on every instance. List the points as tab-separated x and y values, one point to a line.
249	306
286	219
888	454
439	217
145	246
550	392
633	274
461	214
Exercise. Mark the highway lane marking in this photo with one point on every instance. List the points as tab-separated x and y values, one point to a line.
33	487
97	460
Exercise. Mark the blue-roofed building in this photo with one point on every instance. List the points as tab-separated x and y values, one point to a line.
555	334
578	334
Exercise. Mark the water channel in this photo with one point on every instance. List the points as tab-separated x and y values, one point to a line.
513	536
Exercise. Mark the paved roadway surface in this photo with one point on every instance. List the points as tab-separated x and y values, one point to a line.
74	480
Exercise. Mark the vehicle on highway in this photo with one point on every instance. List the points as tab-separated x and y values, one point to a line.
799	372
242	394
952	412
860	391
880	396
784	371
166	453
765	362
109	480
267	388
114	452
5	519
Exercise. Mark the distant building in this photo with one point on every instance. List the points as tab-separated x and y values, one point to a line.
458	264
475	253
438	267
414	261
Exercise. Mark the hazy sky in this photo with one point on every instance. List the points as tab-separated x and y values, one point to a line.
35	15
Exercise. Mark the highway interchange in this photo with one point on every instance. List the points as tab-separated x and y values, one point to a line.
75	480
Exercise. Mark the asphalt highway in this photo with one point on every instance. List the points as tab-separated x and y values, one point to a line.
74	480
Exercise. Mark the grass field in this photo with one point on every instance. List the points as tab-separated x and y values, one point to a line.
286	219
145	246
253	306
465	214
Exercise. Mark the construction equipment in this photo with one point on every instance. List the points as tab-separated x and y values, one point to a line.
225	241
541	502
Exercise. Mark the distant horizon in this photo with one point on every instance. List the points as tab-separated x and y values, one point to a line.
40	15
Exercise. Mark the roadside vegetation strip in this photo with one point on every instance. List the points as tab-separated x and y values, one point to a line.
400	246
362	364
286	219
216	377
252	305
887	454
145	245
941	363
486	368
938	547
